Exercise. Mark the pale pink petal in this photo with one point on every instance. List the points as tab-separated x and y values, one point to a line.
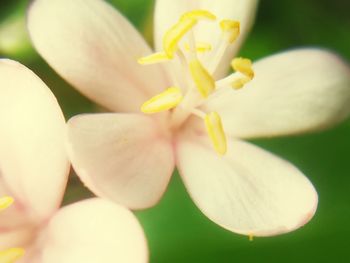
34	166
168	12
96	49
248	190
18	237
123	157
292	92
92	231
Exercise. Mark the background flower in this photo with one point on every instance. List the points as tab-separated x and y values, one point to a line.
323	157
34	170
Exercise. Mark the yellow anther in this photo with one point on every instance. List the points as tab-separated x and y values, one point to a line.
243	65
201	77
174	35
216	132
239	83
153	58
230	27
166	100
11	255
251	237
201	47
198	14
5	202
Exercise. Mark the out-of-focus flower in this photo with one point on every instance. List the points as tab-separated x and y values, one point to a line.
33	172
129	157
14	38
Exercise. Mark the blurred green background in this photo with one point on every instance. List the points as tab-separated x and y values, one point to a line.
176	230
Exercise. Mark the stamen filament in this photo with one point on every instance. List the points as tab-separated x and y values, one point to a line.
11	255
166	100
218	52
198	113
230	32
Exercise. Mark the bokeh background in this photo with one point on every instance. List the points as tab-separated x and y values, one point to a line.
175	228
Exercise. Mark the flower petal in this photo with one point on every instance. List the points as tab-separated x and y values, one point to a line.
123	157
18	237
248	190
95	49
94	230
292	92
167	12
34	166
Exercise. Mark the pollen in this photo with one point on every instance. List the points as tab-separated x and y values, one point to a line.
244	66
174	35
5	202
231	28
201	47
11	255
154	58
198	14
201	77
216	132
251	237
239	83
166	100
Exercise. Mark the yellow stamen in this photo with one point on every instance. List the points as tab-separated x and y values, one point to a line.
5	202
216	132
243	65
230	27
174	34
201	77
201	47
251	237
239	83
166	100
198	14
153	58
11	255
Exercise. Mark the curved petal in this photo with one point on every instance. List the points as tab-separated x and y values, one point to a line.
248	190
95	49
91	231
292	92
33	162
18	237
167	12
123	157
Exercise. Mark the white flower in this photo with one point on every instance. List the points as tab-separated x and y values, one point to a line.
34	170
129	157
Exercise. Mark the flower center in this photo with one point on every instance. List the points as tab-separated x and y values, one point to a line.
197	82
